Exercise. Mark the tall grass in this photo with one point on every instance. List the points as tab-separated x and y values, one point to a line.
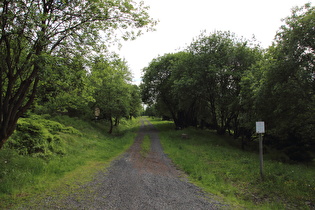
86	151
213	164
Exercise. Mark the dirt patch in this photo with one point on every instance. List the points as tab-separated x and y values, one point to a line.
155	162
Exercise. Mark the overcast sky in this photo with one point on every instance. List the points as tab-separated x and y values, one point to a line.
182	20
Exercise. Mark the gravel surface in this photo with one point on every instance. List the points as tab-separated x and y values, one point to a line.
136	182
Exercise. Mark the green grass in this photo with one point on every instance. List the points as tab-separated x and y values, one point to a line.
221	169
145	146
90	150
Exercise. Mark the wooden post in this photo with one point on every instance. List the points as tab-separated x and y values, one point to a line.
260	129
261	157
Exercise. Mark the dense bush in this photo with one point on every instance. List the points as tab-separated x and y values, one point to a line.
36	136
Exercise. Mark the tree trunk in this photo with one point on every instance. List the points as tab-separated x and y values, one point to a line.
243	143
111	125
2	141
15	104
6	132
213	114
116	121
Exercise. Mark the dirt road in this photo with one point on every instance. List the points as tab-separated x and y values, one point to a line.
134	181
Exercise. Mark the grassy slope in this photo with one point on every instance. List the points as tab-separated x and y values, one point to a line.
23	177
233	174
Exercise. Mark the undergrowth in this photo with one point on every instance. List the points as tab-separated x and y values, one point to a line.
46	152
39	137
219	168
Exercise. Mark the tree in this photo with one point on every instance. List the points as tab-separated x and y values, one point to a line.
186	90
286	99
31	31
221	60
63	88
157	86
135	101
110	81
201	86
150	111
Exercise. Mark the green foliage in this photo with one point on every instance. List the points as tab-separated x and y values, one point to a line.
39	137
70	89
135	101
221	169
150	111
288	85
64	88
114	95
202	85
226	83
42	45
157	86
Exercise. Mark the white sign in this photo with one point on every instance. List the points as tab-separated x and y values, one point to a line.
97	112
260	127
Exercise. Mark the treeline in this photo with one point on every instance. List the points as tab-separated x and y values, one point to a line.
95	89
227	83
78	86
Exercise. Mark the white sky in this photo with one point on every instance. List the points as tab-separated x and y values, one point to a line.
181	20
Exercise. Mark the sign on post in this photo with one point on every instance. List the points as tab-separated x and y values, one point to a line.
97	113
260	129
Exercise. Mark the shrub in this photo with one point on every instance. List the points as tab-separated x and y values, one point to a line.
39	137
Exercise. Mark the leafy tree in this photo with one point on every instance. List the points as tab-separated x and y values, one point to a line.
157	86
31	31
222	59
135	101
286	98
64	88
186	90
150	111
251	82
227	83
110	81
202	85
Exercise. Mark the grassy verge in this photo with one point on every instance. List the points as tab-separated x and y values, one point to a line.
213	164
145	146
86	151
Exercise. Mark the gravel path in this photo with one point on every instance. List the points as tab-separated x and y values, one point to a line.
136	182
